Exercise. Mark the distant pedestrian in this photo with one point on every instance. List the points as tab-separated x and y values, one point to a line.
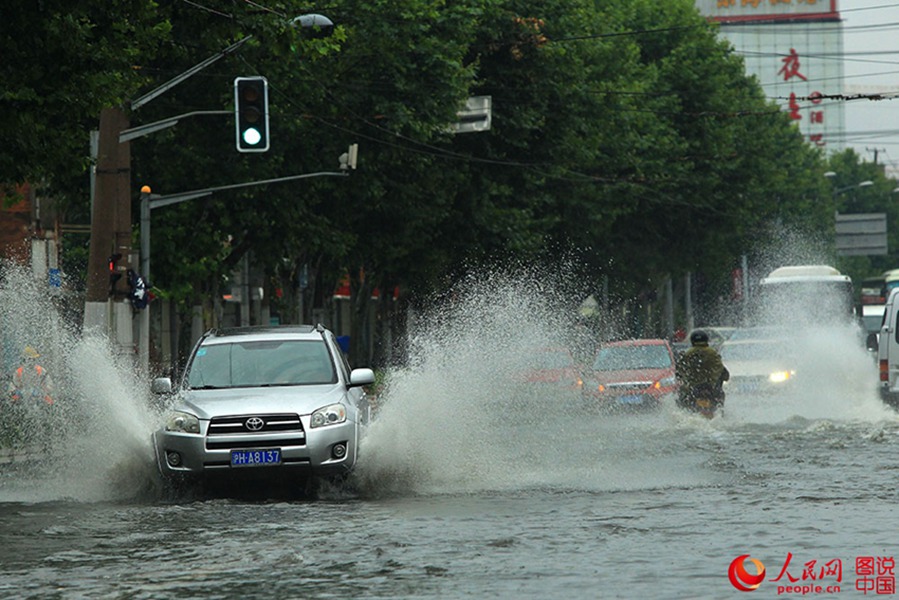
30	379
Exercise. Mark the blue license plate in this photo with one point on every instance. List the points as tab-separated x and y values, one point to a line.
255	458
630	400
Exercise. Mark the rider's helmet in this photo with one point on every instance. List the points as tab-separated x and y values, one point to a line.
699	338
30	352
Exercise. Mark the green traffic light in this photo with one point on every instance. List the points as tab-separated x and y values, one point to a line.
251	136
251	113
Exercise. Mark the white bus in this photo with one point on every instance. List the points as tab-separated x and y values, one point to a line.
806	295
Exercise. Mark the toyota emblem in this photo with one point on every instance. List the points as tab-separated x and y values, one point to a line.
254	424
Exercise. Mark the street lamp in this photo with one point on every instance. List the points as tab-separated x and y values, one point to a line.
838	191
321	26
866	183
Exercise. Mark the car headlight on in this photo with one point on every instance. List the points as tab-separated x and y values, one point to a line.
182	422
780	376
329	415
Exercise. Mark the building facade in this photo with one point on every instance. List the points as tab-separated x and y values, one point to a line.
795	49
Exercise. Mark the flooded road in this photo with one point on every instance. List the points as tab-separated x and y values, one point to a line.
652	506
469	486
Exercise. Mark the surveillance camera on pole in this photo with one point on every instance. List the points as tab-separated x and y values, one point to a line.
348	158
251	114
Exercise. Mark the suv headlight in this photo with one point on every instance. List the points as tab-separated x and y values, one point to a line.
329	415
182	422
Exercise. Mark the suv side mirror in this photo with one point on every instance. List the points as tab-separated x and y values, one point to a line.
161	385
361	377
873	342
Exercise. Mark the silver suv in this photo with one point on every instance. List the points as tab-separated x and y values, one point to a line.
278	402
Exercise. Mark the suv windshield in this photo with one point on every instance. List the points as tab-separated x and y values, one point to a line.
264	363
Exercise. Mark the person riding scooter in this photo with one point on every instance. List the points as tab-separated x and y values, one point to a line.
701	374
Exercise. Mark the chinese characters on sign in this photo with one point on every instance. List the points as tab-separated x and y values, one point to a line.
790	46
792	68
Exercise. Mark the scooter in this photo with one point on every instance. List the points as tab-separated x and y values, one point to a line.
705	400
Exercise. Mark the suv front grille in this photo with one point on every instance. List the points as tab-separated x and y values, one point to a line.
249	424
236	431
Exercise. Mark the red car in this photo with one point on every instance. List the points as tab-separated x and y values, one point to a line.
633	374
554	370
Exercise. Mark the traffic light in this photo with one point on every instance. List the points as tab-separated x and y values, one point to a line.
115	273
251	113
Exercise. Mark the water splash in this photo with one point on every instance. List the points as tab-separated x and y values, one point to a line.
92	444
459	418
455	419
836	377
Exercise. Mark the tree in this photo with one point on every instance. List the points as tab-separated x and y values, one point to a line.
62	62
847	170
198	244
626	138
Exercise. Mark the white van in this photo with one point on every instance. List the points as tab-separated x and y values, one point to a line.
872	317
888	350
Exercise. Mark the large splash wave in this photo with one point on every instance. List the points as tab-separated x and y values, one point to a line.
93	443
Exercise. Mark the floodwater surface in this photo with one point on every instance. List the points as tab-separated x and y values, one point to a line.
471	485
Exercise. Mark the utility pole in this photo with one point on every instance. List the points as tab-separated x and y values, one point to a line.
110	229
875	151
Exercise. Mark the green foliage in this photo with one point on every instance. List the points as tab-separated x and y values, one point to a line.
625	134
847	171
62	62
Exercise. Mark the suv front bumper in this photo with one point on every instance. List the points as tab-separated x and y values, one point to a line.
316	450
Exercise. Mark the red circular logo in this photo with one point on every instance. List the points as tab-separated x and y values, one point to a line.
741	578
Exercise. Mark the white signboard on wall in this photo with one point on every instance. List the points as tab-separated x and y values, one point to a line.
768	9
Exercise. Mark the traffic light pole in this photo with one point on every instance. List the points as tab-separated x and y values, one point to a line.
149	201
111	200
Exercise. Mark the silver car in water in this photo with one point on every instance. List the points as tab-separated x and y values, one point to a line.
276	402
759	366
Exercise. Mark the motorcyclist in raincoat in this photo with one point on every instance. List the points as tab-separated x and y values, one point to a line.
701	374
